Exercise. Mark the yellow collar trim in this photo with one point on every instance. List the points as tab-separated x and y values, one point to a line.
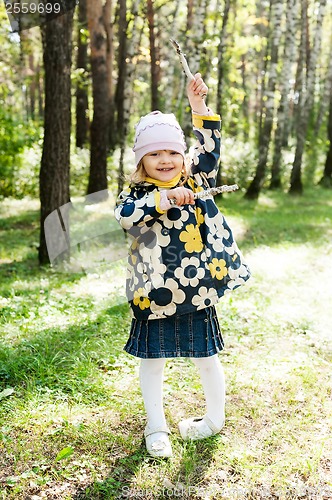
169	184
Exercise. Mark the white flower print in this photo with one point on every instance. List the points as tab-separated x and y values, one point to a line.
237	273
198	180
176	218
134	217
148	248
216	242
143	271
169	295
162	235
150	200
134	283
205	297
210	175
217	222
151	268
189	273
132	279
209	143
217	232
198	150
235	283
232	249
208	252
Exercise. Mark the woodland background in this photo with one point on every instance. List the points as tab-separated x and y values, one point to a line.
71	412
71	91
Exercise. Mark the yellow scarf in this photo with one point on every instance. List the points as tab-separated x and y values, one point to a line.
168	184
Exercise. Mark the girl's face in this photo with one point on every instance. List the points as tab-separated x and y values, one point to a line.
163	164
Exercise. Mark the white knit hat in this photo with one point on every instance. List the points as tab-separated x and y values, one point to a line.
157	131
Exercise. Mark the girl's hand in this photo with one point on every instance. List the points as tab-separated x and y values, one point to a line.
181	195
195	90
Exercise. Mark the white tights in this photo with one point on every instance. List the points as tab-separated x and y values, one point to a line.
213	382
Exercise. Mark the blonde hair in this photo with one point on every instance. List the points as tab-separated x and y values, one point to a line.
139	174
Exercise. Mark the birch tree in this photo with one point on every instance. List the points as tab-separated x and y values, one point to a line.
285	87
263	67
269	100
170	88
197	35
221	64
154	57
324	98
193	47
190	15
221	54
306	102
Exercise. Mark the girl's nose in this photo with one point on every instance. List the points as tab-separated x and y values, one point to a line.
166	157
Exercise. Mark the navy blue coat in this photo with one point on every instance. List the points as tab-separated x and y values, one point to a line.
184	258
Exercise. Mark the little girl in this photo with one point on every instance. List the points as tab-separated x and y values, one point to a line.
183	258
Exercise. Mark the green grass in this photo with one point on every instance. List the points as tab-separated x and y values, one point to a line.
71	413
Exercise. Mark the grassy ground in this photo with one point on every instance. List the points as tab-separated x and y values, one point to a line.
71	414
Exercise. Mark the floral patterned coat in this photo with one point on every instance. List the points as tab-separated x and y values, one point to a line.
184	258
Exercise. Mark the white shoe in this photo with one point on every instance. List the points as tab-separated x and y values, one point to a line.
157	442
198	428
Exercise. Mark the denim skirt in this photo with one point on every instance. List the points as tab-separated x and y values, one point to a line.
195	335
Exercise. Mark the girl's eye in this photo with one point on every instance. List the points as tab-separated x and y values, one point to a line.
174	153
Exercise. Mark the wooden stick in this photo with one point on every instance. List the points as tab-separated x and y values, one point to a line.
201	195
184	63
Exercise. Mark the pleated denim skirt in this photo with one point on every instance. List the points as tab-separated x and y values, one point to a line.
195	335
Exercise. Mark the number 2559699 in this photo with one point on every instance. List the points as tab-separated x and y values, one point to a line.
32	8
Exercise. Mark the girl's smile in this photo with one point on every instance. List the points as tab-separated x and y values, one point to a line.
163	164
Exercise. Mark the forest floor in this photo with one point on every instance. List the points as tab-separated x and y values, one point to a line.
71	413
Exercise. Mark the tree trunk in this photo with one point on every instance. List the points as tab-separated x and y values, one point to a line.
170	90
325	95
285	87
300	70
221	68
190	15
264	72
82	107
296	186
54	171
221	62
195	22
108	8
28	71
326	180
197	36
100	122
154	59
264	140
122	70
130	70
245	102
40	92
32	87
